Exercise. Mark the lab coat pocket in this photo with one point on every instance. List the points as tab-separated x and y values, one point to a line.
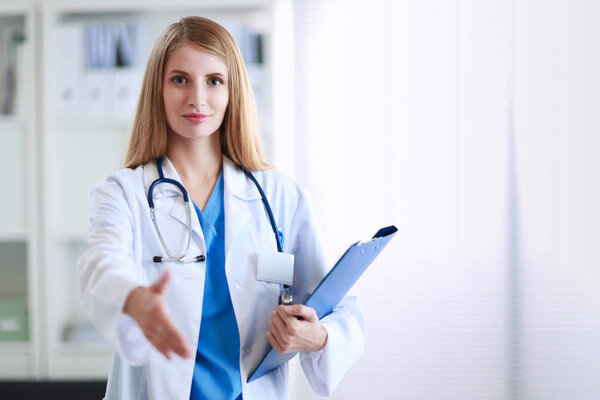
264	242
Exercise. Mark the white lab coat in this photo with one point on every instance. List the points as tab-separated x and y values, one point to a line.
122	243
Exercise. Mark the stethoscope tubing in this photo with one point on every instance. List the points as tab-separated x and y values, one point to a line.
267	208
284	297
186	199
162	179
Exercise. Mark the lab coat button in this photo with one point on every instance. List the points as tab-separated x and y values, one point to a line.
248	351
239	285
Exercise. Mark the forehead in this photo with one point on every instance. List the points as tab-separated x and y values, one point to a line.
195	61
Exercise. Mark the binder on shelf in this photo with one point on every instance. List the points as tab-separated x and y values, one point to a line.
86	83
109	41
95	40
69	69
11	68
333	288
127	87
127	44
98	92
23	84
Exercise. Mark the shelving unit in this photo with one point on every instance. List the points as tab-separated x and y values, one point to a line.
62	144
19	330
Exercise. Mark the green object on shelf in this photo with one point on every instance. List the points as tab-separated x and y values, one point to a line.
14	324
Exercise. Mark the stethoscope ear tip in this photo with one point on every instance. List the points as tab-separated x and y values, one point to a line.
157	259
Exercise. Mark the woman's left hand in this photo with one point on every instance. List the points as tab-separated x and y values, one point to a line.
296	328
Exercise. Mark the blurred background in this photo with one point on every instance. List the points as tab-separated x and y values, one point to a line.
471	125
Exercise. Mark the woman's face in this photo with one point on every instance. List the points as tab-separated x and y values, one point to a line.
195	93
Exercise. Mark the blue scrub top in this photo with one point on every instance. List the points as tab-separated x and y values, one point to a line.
217	369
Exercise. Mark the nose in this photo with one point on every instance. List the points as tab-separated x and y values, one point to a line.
197	96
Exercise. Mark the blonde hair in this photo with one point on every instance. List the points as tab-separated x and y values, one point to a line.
240	136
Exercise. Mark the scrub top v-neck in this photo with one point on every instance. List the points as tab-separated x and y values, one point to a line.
217	367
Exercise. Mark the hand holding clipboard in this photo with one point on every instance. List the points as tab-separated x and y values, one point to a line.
333	288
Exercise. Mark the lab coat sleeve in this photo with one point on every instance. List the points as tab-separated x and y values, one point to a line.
107	272
325	368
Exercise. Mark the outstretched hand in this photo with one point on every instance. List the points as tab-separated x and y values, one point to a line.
147	306
296	328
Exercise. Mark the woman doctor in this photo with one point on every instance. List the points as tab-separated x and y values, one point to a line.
197	329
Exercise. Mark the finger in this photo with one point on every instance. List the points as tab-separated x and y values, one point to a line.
284	314
292	321
166	345
156	341
159	328
160	285
165	351
179	345
301	311
278	331
174	339
166	334
274	342
278	320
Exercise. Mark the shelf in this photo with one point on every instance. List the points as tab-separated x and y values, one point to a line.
12	123
94	124
93	348
77	6
23	348
17	360
53	157
75	362
16	8
71	236
14	236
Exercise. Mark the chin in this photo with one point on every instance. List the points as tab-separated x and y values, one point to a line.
188	133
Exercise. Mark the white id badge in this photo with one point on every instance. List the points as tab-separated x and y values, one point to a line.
276	267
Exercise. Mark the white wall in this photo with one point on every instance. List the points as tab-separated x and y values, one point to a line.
470	126
556	97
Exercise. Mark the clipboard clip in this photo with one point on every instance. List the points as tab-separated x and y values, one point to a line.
285	298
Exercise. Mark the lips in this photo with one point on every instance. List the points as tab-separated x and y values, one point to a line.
196	118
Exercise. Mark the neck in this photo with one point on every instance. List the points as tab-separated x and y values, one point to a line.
198	159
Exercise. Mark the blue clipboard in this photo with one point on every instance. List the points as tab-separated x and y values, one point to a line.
333	288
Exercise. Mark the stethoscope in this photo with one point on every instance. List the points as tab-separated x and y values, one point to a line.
284	297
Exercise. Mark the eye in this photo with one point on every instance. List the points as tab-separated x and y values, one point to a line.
179	80
215	81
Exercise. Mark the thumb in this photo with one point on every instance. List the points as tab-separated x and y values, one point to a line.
160	285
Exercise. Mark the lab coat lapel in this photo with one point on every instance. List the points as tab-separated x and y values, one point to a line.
239	190
179	211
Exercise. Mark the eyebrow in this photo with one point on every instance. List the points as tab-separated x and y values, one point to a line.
177	71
